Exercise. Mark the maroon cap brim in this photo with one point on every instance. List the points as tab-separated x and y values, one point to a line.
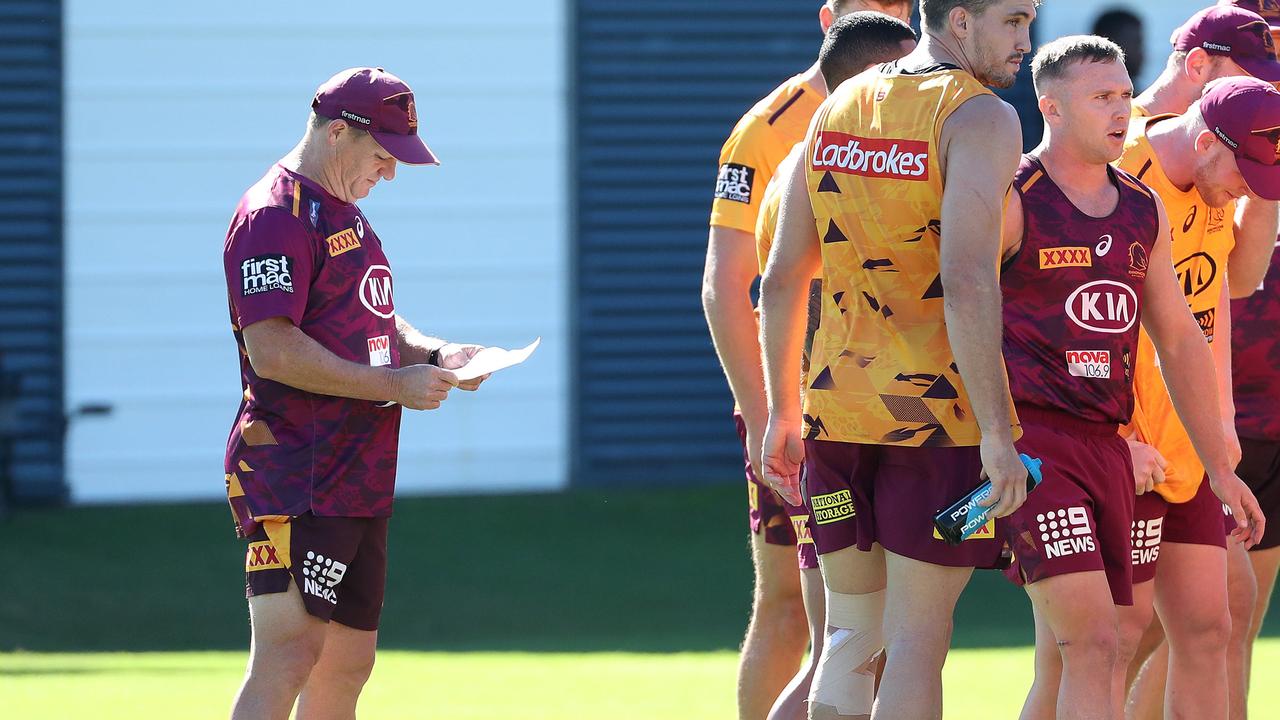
1264	70
408	149
1263	180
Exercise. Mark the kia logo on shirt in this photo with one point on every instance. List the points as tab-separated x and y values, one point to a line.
375	291
1104	306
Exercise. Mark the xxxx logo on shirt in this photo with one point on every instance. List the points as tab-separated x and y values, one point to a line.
1065	257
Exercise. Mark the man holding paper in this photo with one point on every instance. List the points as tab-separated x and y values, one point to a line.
326	362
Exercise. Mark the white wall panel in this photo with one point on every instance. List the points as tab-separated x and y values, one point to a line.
173	109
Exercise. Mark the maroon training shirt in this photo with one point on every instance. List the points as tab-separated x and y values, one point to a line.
1072	297
1255	359
295	251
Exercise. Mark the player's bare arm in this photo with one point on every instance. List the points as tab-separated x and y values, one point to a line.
731	268
977	174
1185	357
280	351
1221	348
417	348
1256	226
794	259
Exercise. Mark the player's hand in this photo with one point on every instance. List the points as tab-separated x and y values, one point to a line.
1250	523
781	456
1149	466
422	387
1008	476
454	356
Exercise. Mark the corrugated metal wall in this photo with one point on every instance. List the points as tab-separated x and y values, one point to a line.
31	412
659	85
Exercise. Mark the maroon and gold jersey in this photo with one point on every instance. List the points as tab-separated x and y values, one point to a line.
295	251
1072	297
1255	359
882	368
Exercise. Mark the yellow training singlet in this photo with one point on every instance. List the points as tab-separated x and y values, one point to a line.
1202	239
757	144
882	370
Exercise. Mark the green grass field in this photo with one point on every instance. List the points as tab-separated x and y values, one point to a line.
587	604
482	686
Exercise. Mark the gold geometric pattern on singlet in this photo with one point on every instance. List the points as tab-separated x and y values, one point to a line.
882	370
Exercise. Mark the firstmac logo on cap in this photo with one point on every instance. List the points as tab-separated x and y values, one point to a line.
348	115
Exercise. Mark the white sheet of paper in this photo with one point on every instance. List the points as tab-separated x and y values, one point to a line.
492	359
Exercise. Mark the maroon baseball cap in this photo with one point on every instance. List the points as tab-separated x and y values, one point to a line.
1228	31
1268	9
1244	113
373	99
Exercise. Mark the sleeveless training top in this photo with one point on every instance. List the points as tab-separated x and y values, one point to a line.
1072	297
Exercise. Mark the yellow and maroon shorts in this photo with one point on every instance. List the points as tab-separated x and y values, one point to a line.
339	565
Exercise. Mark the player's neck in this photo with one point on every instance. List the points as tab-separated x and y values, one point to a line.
935	49
1085	182
1170	93
813	78
1167	139
302	160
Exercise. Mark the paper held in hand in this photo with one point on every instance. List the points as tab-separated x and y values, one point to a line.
492	359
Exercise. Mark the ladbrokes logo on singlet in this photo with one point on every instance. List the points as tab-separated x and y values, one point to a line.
871	157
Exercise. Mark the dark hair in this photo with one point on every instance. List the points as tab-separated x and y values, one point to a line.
935	12
858	40
1112	21
1053	59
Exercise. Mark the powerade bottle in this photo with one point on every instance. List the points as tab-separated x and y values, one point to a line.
966	516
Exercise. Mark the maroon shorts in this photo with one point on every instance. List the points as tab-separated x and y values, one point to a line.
1198	521
1260	470
865	494
339	565
768	513
1079	517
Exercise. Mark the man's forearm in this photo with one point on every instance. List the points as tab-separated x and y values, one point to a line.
415	347
1183	363
783	306
736	337
1221	351
975	331
298	361
1255	234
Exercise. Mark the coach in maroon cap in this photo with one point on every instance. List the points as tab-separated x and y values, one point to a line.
327	361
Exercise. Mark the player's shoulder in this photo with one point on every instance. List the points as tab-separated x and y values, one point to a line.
776	105
1131	182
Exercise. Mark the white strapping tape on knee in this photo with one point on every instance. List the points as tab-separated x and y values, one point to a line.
846	674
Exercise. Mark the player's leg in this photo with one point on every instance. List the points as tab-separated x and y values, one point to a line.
1080	614
1191	597
839	480
1138	684
1266	564
793	703
1242	595
334	686
844	683
286	644
1042	700
332	690
777	631
919	605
